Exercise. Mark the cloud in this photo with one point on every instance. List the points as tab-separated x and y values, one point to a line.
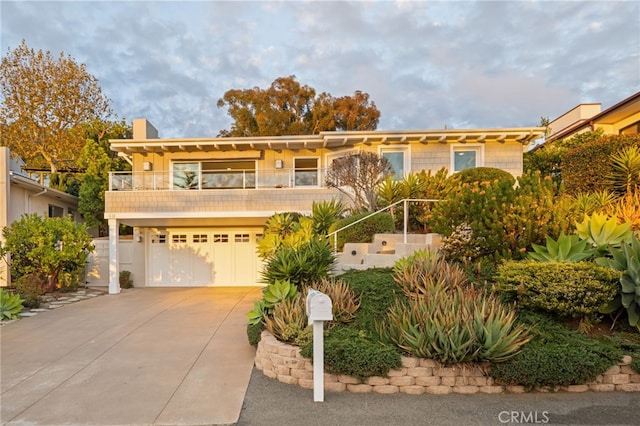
425	64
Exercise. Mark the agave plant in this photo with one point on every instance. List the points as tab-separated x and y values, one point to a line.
258	313
288	319
277	292
567	249
586	203
325	213
420	272
626	209
344	301
10	305
626	259
625	170
601	231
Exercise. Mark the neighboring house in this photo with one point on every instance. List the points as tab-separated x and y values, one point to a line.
622	118
21	195
198	206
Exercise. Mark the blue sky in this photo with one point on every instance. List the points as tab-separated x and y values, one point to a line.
425	64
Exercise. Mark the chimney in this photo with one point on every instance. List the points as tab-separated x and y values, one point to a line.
142	129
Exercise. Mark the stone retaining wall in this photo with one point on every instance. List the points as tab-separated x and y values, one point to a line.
417	375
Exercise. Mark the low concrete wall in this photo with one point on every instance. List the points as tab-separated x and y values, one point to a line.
417	376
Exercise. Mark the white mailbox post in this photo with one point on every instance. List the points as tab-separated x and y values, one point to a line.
319	310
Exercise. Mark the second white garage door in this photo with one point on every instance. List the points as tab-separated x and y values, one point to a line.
203	257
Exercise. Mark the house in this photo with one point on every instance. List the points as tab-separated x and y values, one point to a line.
622	118
20	194
198	206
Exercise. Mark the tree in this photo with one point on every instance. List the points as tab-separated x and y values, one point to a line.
44	247
97	160
288	108
357	176
45	102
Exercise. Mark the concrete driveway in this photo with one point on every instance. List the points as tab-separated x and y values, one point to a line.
161	356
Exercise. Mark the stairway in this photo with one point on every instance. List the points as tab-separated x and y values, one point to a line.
383	252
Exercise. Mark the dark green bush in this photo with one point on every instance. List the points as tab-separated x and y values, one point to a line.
482	174
556	356
31	290
551	364
580	178
378	292
567	289
125	279
353	352
253	332
362	232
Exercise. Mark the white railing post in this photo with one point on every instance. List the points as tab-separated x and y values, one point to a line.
406	219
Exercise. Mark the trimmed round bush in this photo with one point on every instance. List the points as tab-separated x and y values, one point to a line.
566	289
362	232
483	174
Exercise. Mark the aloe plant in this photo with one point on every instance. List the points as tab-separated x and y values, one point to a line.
10	305
258	313
568	248
626	259
601	231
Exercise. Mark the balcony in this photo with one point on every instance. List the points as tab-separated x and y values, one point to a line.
185	180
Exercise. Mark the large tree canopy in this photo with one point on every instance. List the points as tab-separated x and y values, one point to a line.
287	108
45	102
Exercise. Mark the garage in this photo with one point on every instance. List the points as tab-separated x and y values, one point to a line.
187	257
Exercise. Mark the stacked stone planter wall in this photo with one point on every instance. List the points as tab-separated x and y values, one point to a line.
283	362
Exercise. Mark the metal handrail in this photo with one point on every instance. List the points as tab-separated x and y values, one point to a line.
406	218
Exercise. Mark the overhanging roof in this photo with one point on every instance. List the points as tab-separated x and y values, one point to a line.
330	140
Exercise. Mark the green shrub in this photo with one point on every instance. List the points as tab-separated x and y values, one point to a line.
377	291
125	279
254	332
483	174
325	213
309	262
568	289
361	232
353	352
587	167
10	305
493	219
556	356
30	290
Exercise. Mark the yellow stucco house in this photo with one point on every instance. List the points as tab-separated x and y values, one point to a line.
622	118
198	206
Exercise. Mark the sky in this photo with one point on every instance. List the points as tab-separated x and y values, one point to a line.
425	64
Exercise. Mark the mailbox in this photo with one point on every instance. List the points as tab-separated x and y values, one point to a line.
319	306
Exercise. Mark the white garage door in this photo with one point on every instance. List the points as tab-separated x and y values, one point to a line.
203	257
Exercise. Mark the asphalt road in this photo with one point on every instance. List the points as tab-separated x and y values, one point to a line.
269	402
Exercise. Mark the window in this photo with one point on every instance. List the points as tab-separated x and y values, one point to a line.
186	175
220	238
306	171
55	211
466	157
397	158
241	238
159	239
179	238
200	238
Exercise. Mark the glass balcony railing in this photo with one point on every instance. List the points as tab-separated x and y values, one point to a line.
216	179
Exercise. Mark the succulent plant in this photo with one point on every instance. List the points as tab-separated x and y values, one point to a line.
10	305
568	248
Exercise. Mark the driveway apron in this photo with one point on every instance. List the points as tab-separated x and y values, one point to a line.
165	356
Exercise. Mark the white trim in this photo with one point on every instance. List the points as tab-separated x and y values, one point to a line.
406	158
459	147
193	215
318	166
